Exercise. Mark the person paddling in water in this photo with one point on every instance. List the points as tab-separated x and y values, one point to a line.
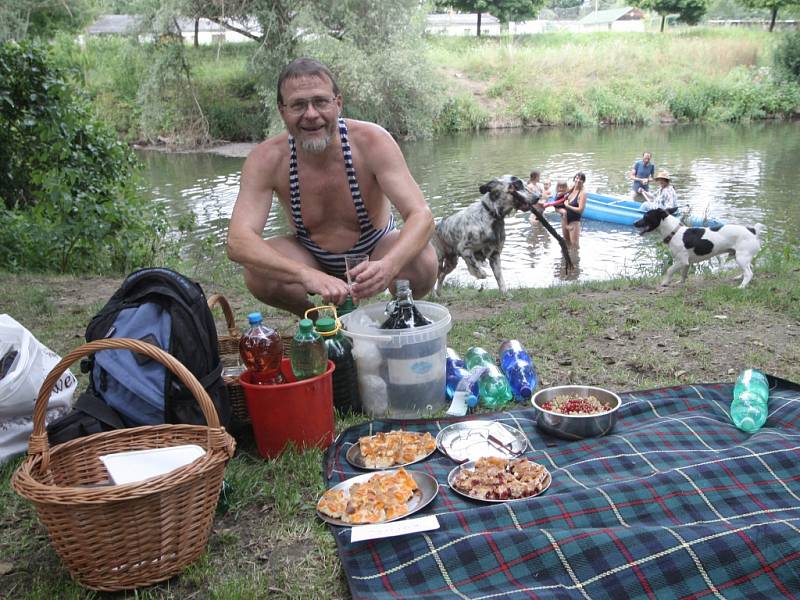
337	180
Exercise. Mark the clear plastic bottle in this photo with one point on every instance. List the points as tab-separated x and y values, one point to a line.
466	394
308	354
456	371
750	398
345	379
518	368
402	312
261	350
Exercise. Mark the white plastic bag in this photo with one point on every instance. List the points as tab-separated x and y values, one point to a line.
21	383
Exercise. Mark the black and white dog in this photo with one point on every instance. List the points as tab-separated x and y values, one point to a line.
477	232
690	245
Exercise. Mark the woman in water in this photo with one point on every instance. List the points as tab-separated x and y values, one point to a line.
572	210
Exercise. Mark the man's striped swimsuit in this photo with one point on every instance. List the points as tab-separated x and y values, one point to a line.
333	262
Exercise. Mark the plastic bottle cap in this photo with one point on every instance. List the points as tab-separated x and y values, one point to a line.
326	324
254	318
306	325
525	392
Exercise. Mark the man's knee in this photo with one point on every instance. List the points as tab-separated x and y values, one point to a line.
422	271
261	286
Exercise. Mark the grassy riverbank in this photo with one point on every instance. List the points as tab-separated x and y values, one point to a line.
622	334
587	79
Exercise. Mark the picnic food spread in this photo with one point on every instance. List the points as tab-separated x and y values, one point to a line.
395	448
382	497
575	405
496	478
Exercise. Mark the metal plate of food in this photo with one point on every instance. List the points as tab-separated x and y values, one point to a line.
426	490
391	450
471	440
522	484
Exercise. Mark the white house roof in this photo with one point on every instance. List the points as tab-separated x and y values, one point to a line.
129	24
119	24
466	19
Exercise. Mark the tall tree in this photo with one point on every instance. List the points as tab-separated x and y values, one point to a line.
514	10
773	6
23	19
688	11
504	10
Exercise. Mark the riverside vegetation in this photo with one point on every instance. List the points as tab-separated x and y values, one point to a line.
709	75
624	334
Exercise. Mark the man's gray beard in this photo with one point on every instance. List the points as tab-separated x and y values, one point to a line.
315	145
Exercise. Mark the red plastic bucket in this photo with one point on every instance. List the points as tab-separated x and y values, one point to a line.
294	411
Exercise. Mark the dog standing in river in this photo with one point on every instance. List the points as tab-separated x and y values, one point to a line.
477	233
690	245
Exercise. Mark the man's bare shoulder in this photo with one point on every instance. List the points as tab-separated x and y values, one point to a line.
366	132
271	150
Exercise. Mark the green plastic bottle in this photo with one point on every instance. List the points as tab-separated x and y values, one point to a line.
347	307
308	354
495	392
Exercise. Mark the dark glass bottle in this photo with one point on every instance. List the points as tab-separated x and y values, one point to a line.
345	380
403	314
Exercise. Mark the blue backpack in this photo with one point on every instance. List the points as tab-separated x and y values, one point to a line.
127	389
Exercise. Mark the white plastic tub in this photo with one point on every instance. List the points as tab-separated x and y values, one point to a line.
401	372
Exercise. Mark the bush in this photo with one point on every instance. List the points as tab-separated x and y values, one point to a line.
460	113
69	199
787	56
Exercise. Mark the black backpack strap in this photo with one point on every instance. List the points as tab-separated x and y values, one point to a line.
94	406
89	415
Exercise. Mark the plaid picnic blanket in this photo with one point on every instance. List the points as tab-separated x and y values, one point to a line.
675	503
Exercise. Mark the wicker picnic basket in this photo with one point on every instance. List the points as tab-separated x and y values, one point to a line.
229	355
116	537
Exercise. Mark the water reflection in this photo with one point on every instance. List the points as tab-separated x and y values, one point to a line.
735	173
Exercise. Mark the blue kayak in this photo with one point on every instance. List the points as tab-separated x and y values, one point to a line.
612	209
623	211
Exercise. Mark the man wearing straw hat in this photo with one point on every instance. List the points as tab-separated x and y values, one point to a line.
665	197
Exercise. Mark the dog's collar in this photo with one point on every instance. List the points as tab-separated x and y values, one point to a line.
490	209
672	233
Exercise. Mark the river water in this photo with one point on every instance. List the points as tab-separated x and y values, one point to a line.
734	173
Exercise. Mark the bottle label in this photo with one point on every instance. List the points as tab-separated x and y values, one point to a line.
410	371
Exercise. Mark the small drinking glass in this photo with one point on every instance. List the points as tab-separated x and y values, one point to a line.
350	262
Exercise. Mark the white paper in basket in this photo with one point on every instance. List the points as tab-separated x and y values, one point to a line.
137	465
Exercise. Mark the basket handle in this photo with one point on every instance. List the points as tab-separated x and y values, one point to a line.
219	299
39	443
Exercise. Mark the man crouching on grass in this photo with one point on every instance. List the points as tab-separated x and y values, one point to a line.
336	180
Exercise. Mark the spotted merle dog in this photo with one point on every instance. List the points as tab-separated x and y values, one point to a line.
477	233
690	245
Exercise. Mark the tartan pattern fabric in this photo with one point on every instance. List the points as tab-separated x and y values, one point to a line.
675	503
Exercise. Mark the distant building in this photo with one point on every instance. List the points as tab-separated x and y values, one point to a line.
626	18
114	25
208	32
462	24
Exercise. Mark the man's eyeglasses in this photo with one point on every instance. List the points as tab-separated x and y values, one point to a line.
320	104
